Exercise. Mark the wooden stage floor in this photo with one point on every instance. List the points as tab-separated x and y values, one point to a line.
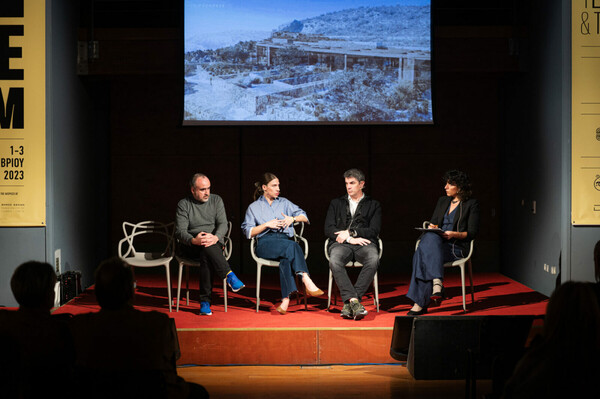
332	382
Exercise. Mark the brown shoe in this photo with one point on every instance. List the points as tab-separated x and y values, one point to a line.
281	310
318	292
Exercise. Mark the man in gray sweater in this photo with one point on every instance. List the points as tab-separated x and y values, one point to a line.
200	225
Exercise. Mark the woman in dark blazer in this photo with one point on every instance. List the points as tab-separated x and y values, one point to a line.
457	215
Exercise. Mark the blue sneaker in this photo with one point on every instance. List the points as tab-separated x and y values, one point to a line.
234	283
205	309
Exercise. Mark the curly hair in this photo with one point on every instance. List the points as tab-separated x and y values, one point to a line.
461	180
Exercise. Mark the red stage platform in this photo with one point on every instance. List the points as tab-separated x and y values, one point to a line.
314	336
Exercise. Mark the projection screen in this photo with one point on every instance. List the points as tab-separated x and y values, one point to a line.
283	61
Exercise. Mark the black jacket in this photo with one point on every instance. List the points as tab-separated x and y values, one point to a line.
466	218
366	221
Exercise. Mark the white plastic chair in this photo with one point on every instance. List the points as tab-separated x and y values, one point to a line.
260	262
460	263
157	241
227	248
354	263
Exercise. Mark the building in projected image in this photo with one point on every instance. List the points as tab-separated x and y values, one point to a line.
295	76
343	55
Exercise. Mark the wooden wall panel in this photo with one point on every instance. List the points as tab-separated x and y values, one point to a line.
285	346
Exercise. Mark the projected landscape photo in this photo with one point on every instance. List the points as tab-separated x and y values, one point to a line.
307	61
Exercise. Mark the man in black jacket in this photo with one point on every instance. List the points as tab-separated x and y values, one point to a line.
352	225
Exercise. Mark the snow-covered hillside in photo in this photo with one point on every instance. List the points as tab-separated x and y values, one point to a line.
405	26
401	26
212	100
222	39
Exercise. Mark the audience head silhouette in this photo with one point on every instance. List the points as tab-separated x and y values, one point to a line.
573	318
563	362
32	284
114	284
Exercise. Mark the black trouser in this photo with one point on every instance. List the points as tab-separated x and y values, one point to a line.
212	262
340	254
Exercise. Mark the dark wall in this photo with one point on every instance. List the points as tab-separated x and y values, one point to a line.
76	147
152	156
536	160
532	169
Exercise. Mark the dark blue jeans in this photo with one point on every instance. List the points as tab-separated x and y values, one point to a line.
280	247
428	263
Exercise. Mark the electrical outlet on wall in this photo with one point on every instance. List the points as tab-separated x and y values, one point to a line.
546	268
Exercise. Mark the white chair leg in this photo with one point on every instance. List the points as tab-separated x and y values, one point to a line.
330	285
258	286
471	281
179	285
462	280
168	285
225	292
187	286
376	287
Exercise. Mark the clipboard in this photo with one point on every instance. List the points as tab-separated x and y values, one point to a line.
437	231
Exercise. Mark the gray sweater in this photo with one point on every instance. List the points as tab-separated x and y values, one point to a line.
193	217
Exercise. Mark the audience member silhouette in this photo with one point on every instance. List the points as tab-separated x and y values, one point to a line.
36	346
124	352
563	362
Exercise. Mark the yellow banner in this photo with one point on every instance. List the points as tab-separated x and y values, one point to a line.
22	113
585	123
